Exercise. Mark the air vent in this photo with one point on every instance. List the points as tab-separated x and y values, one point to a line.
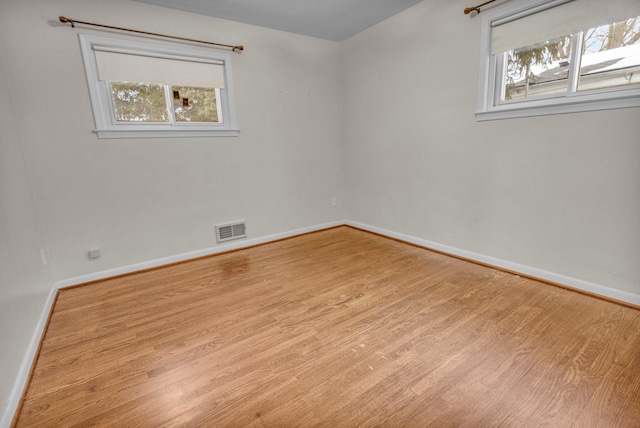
229	231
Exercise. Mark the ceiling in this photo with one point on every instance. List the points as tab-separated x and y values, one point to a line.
327	19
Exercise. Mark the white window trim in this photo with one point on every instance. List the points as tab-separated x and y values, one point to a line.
100	96
489	108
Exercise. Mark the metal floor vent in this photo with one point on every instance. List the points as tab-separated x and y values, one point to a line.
229	231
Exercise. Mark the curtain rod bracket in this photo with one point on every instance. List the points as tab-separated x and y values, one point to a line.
73	22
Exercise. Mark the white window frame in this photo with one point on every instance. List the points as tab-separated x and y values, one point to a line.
102	104
490	106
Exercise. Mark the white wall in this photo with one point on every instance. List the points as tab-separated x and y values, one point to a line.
145	199
559	193
25	282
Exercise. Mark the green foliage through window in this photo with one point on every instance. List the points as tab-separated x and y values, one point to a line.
199	107
609	56
522	70
139	102
144	102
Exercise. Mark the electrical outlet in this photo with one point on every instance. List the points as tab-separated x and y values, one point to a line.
94	253
334	201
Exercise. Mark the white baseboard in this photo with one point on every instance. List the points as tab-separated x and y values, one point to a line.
23	375
567	281
190	255
563	280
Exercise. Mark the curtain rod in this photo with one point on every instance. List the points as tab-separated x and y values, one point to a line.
468	10
73	22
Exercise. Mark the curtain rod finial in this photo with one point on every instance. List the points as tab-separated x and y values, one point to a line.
468	10
65	20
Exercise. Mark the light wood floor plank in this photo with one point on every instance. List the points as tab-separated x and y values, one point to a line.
334	328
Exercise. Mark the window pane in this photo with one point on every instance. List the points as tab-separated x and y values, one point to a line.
139	102
611	56
194	104
540	69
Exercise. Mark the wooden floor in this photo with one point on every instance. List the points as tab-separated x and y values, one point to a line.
339	328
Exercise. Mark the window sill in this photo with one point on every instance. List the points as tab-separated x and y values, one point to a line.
166	133
527	109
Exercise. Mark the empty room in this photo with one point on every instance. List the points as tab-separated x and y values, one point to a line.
345	213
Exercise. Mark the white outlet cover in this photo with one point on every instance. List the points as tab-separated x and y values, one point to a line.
94	253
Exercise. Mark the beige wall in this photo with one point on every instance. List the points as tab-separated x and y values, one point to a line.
383	121
557	193
25	281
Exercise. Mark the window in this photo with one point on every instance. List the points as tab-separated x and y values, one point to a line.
558	56
142	90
